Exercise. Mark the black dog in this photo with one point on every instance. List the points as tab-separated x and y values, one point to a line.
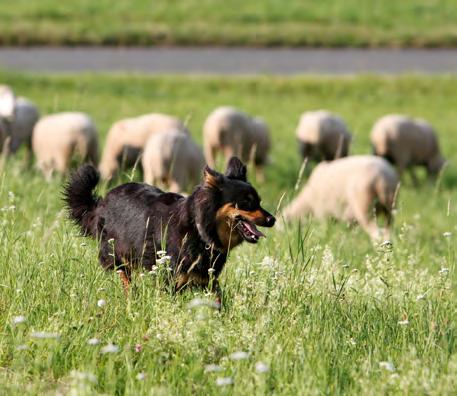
134	220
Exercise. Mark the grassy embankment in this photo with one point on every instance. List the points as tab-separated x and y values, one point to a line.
391	23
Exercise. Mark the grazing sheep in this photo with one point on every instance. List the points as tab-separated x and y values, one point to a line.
407	142
349	189
56	138
172	159
126	139
322	136
236	134
18	117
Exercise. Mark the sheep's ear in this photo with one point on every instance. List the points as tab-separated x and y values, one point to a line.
211	178
236	169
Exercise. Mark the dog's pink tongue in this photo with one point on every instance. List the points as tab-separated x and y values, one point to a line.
252	228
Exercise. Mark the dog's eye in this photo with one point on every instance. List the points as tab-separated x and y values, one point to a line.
247	204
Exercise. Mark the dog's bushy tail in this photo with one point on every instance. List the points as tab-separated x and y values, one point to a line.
81	200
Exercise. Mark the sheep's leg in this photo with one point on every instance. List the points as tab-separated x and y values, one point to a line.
361	203
15	144
210	155
259	174
228	153
175	186
148	176
61	162
92	155
414	178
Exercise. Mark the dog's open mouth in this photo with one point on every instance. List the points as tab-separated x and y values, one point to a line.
248	230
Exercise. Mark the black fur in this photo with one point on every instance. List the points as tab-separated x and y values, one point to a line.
80	199
136	220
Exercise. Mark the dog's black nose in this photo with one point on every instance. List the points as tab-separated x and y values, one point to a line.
270	221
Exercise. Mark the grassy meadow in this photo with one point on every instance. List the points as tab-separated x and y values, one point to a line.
315	308
418	23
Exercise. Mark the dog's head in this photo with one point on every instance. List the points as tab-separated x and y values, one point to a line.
236	210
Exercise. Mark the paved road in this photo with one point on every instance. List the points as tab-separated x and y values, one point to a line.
229	60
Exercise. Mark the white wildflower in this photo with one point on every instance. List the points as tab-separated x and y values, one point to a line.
101	303
110	348
224	381
141	376
447	234
404	322
19	319
268	262
389	366
163	260
161	253
261	367
444	271
386	244
211	271
420	297
44	335
200	302
93	341
239	355
212	368
83	376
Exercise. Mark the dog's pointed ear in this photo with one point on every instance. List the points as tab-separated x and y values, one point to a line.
236	169
211	178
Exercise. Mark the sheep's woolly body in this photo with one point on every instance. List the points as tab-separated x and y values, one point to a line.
128	137
347	189
26	116
18	117
235	133
323	135
56	138
407	142
174	160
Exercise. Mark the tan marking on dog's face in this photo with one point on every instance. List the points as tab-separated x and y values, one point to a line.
257	216
225	220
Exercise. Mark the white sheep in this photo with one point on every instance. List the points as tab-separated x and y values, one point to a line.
172	159
349	189
126	139
18	117
58	137
407	142
322	136
235	133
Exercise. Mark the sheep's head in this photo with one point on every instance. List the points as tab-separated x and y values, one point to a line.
7	102
435	165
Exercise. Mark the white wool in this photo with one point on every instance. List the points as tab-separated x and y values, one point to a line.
56	138
132	134
171	159
346	189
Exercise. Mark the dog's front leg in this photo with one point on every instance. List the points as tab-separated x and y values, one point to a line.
125	279
216	289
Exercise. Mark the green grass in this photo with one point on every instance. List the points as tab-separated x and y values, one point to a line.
392	23
318	303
